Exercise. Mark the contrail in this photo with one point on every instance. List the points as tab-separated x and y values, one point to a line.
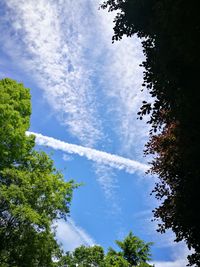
121	163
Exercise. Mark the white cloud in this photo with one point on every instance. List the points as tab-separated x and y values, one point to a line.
179	254
127	77
177	251
47	39
123	78
64	44
114	161
146	223
66	157
71	235
177	263
106	179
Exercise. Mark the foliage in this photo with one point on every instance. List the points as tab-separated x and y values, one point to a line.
115	261
170	31
32	193
83	256
15	111
134	252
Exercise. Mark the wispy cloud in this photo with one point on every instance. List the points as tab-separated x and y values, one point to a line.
63	45
45	37
178	251
123	78
107	180
114	161
66	157
72	236
127	95
146	223
179	255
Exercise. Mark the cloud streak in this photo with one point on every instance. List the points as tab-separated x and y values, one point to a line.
114	161
72	236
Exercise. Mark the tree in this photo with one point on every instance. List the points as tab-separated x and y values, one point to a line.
83	256
170	32
134	252
33	194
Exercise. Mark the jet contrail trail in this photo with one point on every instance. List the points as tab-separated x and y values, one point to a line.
121	163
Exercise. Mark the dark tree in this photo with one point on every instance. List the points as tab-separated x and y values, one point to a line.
170	32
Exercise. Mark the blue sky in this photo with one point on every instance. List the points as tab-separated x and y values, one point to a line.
86	91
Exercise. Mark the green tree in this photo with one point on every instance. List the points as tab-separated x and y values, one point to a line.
33	194
134	252
170	33
84	257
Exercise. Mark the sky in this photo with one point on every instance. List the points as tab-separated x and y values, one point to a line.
86	93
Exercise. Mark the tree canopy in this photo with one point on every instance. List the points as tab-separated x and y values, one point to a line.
133	252
169	31
33	194
83	256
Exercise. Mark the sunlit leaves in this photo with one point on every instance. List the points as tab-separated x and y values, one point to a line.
33	194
